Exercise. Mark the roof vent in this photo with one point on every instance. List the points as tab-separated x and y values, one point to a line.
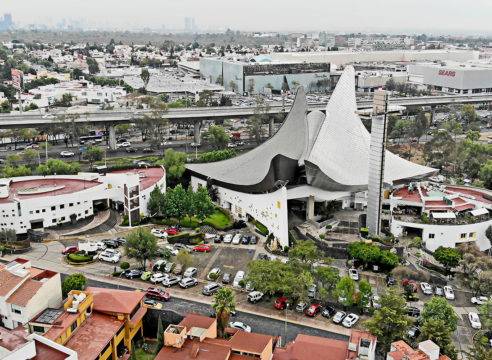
352	347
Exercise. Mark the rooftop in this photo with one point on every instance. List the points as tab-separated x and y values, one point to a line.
306	347
8	281
148	176
194	349
44	352
115	301
198	321
25	292
12	339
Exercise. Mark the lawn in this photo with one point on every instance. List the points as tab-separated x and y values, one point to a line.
218	220
142	355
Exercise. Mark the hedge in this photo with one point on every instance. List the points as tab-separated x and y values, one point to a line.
186	237
125	265
189	223
262	228
80	259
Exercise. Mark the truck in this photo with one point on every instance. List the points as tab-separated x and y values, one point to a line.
89	247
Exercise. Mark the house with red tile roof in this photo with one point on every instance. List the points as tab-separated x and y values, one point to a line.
440	215
25	291
427	350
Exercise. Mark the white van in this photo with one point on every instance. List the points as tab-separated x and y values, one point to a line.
239	277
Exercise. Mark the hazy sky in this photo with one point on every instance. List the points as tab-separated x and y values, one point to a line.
444	16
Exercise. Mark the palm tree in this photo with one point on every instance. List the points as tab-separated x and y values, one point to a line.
224	303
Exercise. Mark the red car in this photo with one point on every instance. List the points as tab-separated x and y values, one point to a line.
410	283
413	140
313	310
69	250
172	231
201	248
280	303
158	294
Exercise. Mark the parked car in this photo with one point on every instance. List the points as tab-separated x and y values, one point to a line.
201	248
328	311
171	280
178	269
245	240
312	291
69	250
263	257
479	300
213	274
412	311
237	239
152	304
390	281
148	150
339	316
218	239
280	303
350	320
190	272
179	246
169	267
227	238
157	278
112	258
438	291
238	278
120	241
226	278
301	307
146	275
101	245
376	301
211	289
111	244
426	288
448	292
474	320
124	144
255	296
131	149
159	233
111	252
313	310
172	231
66	154
133	273
187	282
241	326
354	274
157	293
413	332
254	240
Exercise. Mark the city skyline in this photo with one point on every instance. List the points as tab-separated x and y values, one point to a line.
418	17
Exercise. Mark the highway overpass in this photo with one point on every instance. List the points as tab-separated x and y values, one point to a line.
196	115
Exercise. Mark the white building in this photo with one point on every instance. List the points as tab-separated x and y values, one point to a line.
33	202
26	291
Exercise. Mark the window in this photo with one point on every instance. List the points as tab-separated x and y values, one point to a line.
53	221
38	329
87	211
16	311
62	206
463	236
71	204
73	326
78	202
31	212
37	211
44	210
472	234
431	236
53	208
62	218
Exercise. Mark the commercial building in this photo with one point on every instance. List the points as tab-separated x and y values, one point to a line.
25	291
34	202
368	81
260	73
453	77
96	323
312	158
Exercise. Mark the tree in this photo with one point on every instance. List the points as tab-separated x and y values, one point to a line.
145	76
488	233
202	204
58	167
439	309
260	117
390	323
92	64
153	124
485	311
366	252
76	74
93	154
219	80
160	337
156	203
485	174
473	135
419	125
224	303
438	332
8	236
328	276
364	295
468	114
13	159
173	162
185	258
233	86
345	291
449	257
479	350
218	138
30	156
141	245
305	251
73	282
390	84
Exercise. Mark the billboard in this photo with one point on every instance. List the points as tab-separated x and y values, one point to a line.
17	78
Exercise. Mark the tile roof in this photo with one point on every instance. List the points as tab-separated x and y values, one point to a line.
194	349
250	342
198	321
464	207
115	301
12	339
8	281
25	292
307	347
44	352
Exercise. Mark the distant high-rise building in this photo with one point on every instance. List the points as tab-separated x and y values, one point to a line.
7	22
187	24
193	25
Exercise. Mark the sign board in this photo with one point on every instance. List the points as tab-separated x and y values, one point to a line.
17	78
380	99
447	73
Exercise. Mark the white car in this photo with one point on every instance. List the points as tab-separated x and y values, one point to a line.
474	321
376	301
101	245
187	282
111	252
350	320
48	116
190	272
480	300
67	154
239	277
354	275
449	292
426	288
173	251
124	144
237	239
109	258
241	326
227	239
159	233
339	316
158	277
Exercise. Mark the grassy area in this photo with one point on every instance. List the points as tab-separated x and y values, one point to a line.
142	355
218	220
263	229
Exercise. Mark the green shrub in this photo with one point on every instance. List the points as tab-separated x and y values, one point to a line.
125	265
329	227
188	223
213	276
425	218
262	228
197	229
224	211
322	236
241	283
184	236
117	273
286	248
79	258
125	221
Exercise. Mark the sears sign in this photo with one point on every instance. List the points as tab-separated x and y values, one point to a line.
447	73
